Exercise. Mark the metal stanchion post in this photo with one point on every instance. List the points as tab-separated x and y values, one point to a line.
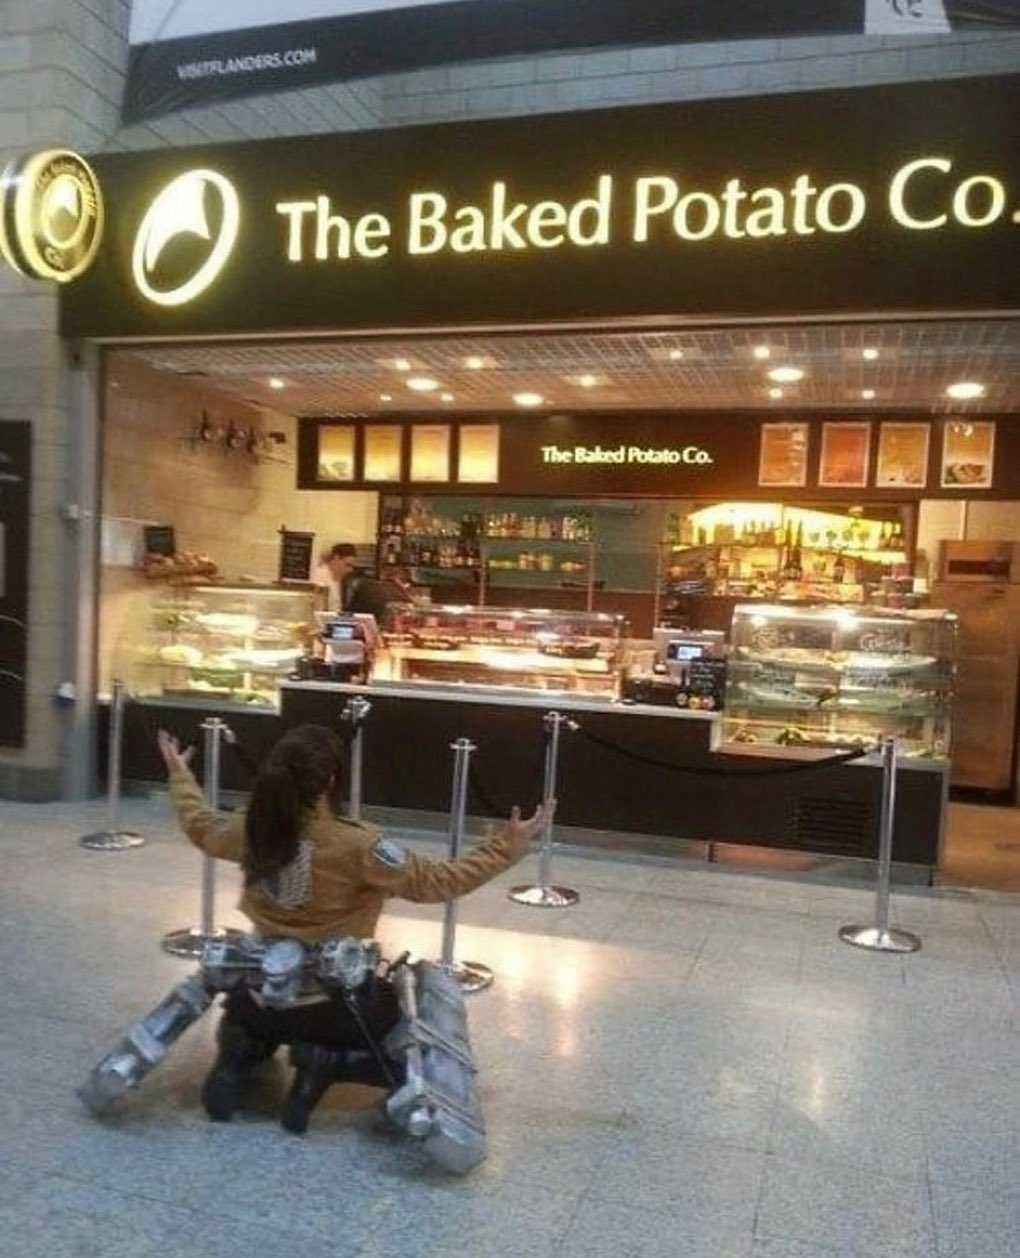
880	938
355	711
544	895
471	976
190	941
114	838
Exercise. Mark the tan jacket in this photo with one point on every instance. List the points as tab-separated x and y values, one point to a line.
353	869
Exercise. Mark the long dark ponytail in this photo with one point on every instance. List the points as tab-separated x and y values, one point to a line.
296	774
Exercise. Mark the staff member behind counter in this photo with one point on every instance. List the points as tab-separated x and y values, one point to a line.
311	876
361	595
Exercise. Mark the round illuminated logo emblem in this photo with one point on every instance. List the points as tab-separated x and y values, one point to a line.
196	207
51	215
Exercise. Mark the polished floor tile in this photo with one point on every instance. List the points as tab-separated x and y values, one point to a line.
689	1064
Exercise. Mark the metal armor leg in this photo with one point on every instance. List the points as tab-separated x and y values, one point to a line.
143	1047
439	1101
146	1044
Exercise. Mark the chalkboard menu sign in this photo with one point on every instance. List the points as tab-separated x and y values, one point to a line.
160	539
296	555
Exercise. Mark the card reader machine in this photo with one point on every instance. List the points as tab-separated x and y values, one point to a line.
696	664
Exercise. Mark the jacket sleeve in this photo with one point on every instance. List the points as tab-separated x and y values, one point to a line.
389	868
217	834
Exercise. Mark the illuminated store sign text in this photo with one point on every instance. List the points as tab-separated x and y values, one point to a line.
652	208
626	454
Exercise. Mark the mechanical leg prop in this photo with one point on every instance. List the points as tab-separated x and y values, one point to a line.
429	1050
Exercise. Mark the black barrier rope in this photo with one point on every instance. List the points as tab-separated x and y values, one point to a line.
714	771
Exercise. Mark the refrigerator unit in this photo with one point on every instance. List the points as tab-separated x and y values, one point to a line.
980	582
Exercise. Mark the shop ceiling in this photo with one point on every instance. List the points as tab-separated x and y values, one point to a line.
902	365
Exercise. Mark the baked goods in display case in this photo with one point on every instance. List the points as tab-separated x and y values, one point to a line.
509	648
839	677
231	643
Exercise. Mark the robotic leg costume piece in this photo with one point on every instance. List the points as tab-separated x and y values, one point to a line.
430	1049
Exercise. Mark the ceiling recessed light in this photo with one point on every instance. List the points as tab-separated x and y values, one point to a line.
402	364
528	399
422	384
275	382
675	355
775	393
385	397
870	353
446	397
587	381
786	375
867	394
965	389
762	351
475	362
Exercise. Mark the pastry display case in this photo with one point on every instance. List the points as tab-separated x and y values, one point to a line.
839	677
228	643
509	648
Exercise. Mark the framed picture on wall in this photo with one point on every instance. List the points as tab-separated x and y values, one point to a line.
783	455
846	455
902	456
968	454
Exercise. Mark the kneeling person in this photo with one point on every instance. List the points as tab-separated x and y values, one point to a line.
311	876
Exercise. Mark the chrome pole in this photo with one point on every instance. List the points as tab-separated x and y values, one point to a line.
355	711
543	894
190	941
880	938
114	838
472	976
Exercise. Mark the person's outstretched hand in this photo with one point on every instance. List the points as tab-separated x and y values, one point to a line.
170	750
521	832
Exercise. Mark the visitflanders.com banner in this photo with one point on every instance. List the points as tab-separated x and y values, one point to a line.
195	52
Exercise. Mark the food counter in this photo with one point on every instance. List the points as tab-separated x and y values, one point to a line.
639	776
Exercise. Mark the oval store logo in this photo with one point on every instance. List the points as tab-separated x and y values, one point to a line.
51	215
186	237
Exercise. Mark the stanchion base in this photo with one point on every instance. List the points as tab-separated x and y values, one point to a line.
878	940
471	976
538	897
111	841
191	941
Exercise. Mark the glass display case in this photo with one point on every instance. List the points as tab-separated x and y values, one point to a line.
559	651
228	643
838	677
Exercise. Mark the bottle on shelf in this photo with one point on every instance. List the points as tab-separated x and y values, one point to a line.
796	559
839	570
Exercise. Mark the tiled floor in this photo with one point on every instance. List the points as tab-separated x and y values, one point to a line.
687	1065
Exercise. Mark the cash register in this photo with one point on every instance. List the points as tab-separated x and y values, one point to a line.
346	643
689	671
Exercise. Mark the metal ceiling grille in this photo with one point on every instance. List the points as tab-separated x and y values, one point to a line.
909	367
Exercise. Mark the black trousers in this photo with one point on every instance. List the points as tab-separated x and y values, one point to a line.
329	1023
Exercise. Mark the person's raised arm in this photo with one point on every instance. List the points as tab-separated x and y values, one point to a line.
218	834
387	867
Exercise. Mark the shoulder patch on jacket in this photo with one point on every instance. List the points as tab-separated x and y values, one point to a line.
389	853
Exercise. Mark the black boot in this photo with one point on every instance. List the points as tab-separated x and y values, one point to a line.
238	1056
315	1068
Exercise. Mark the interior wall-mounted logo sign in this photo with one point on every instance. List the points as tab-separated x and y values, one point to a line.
664	456
51	215
186	237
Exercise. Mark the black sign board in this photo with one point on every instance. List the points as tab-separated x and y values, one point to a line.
296	555
902	198
160	539
15	479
